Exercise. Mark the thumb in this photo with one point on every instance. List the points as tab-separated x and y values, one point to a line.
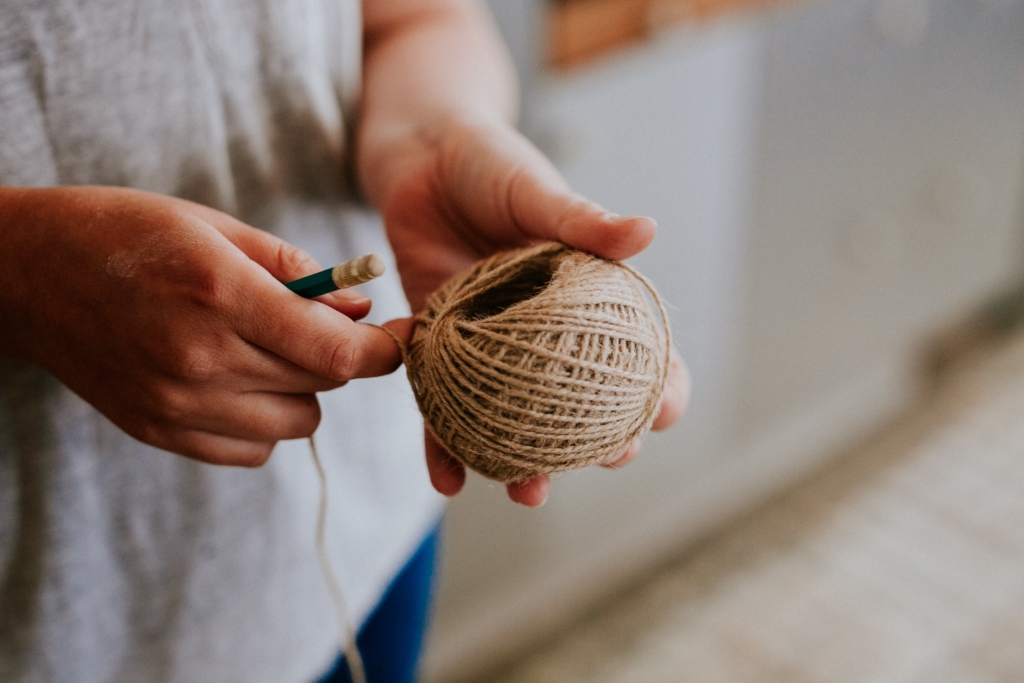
402	328
549	211
503	184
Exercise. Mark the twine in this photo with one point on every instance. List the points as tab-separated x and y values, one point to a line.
539	360
353	660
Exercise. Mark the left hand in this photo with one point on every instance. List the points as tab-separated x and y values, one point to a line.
461	189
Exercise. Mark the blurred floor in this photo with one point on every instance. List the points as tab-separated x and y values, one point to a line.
903	563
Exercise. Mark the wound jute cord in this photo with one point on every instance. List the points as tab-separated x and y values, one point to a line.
539	360
347	629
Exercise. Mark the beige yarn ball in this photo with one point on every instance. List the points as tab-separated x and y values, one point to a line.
539	360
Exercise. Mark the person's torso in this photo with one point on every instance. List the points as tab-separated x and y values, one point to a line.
119	562
225	102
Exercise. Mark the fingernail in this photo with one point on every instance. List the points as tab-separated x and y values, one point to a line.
359	299
626	219
619	218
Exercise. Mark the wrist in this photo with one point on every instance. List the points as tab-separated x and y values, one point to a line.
20	243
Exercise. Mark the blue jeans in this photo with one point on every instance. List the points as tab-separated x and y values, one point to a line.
392	638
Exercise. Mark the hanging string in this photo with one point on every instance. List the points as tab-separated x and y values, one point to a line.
353	659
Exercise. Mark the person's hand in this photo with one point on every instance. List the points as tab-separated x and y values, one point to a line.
170	319
460	190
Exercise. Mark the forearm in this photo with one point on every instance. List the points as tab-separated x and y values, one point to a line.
426	61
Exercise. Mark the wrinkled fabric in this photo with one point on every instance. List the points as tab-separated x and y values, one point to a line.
123	563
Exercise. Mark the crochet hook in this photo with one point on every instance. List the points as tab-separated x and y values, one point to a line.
341	276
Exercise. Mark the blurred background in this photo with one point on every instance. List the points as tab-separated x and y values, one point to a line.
838	188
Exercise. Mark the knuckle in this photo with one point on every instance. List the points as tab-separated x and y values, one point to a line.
257	456
250	454
516	190
296	421
171	403
211	290
292	260
193	363
309	419
344	359
148	433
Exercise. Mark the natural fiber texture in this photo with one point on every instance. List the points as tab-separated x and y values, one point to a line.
353	659
539	360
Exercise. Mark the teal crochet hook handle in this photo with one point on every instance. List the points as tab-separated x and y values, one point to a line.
341	276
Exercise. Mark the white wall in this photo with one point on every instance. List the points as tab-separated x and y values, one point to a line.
831	184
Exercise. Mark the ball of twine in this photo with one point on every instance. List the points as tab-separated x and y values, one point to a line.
539	360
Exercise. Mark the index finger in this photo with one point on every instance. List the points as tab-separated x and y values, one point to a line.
503	186
317	337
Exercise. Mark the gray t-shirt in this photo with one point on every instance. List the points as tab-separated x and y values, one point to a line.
120	562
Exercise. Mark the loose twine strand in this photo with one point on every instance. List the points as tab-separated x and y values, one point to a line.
353	659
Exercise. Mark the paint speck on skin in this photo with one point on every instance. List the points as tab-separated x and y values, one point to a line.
126	263
122	265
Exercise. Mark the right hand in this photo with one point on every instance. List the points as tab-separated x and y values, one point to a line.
462	188
170	319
